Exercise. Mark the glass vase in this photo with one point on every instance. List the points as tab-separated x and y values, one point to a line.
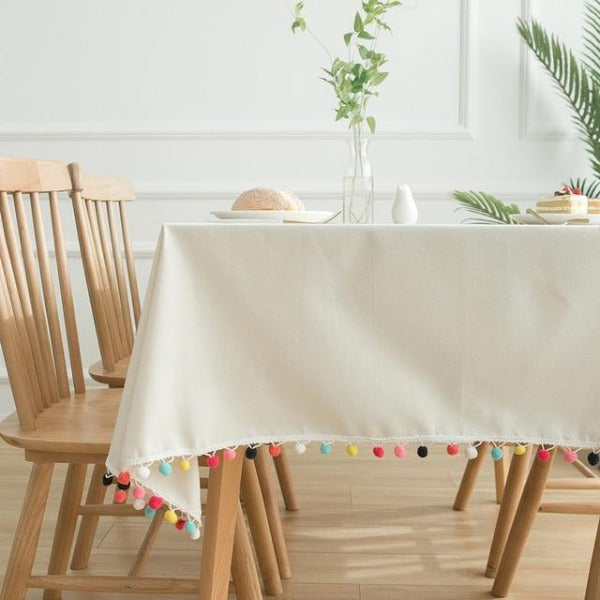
358	181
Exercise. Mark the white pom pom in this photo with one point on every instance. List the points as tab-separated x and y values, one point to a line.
139	504
142	472
300	448
471	452
196	534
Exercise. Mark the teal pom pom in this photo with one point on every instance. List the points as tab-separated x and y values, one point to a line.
190	527
149	512
165	469
497	453
325	448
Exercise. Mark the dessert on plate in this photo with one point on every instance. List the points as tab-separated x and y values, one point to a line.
267	199
568	201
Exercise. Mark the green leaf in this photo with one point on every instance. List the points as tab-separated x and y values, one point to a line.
358	24
371	123
379	77
487	208
347	38
298	8
363	51
365	35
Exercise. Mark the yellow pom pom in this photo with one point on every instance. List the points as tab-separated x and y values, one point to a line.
520	450
170	517
352	449
184	464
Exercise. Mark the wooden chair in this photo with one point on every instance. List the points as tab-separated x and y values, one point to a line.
113	289
56	424
522	502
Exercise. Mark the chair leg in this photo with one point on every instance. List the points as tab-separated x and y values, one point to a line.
500	470
89	523
219	528
522	523
259	526
273	516
471	472
66	524
515	481
592	591
243	567
149	539
284	476
20	562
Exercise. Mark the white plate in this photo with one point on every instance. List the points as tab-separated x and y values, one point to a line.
287	216
555	219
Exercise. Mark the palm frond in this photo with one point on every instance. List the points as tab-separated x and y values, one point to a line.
487	208
591	37
576	83
591	189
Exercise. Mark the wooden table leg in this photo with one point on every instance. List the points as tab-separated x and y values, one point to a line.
522	523
469	477
22	555
219	528
500	470
284	476
243	567
273	516
592	591
515	481
259	526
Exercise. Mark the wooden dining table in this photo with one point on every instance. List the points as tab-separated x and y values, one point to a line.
330	335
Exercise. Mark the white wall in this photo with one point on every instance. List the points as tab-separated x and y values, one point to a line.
196	101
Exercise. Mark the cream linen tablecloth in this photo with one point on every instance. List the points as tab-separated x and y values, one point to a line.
272	333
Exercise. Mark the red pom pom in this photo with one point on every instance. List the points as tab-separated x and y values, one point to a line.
155	502
124	477
543	455
120	496
452	449
180	524
274	450
378	451
212	462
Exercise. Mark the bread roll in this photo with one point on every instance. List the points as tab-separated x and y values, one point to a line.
267	199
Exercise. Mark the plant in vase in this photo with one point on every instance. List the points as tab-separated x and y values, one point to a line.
354	81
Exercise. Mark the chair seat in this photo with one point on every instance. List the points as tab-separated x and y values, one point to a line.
115	378
82	424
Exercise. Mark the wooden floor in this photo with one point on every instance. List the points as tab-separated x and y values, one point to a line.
368	529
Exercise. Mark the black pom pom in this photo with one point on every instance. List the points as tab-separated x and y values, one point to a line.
422	451
124	486
593	458
108	479
251	453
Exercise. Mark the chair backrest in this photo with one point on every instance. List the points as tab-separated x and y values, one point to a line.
108	260
31	327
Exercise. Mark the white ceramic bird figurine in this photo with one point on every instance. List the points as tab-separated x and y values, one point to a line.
404	211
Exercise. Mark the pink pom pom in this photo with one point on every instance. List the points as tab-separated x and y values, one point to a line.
124	477
399	451
452	449
120	496
155	502
229	454
274	450
570	456
378	451
139	492
212	462
543	455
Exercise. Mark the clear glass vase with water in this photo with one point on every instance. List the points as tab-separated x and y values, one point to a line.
358	181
